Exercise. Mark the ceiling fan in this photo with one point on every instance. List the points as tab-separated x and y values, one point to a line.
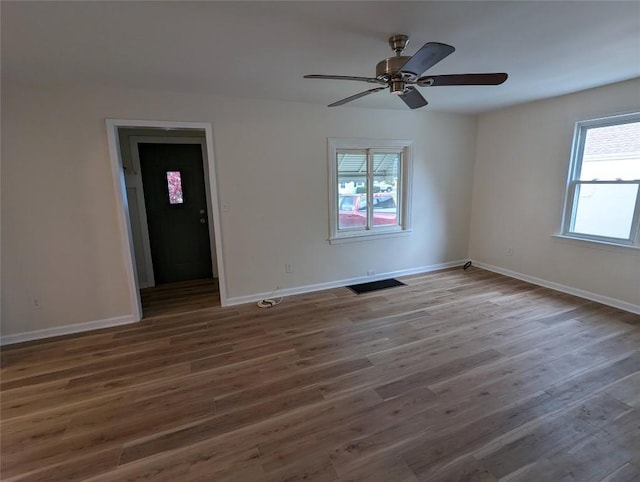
402	73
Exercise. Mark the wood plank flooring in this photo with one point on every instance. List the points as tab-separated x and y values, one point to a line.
458	376
179	297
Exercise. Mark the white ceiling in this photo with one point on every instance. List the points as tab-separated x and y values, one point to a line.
262	49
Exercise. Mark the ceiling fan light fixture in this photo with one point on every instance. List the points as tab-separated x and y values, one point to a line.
397	87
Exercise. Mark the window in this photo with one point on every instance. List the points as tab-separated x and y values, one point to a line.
369	188
603	190
174	187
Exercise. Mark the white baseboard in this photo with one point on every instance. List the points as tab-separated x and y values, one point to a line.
605	300
340	283
123	320
66	329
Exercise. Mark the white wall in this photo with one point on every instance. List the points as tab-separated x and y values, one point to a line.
60	238
520	176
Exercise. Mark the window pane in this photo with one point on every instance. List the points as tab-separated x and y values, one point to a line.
386	171
352	171
612	152
605	209
174	186
352	189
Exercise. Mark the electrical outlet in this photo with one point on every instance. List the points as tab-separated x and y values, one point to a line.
35	303
510	252
371	272
288	268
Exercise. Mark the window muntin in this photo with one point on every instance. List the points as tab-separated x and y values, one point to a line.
369	189
603	193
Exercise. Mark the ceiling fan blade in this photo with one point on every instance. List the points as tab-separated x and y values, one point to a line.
413	98
429	55
371	80
357	96
462	79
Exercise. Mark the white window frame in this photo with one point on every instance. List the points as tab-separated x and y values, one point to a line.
404	189
573	183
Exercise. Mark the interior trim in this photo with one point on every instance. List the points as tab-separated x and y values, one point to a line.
341	283
66	329
605	300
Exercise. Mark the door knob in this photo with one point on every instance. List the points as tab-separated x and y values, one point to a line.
202	221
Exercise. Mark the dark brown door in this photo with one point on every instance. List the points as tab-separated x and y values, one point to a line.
175	198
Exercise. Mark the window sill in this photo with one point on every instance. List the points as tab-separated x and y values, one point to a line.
353	238
596	244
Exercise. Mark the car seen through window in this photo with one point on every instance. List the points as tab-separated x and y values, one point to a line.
353	210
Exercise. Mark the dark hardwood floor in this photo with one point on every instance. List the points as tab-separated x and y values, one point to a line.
458	376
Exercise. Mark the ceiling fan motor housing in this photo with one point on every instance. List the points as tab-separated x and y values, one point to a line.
392	67
390	71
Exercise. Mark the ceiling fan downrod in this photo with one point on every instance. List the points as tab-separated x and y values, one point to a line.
390	69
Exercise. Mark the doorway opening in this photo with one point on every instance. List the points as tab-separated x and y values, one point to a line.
166	190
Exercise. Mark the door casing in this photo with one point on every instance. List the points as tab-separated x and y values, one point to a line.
122	204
